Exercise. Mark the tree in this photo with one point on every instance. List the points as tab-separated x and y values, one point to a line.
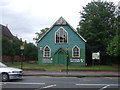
16	45
97	25
7	47
30	52
113	48
39	35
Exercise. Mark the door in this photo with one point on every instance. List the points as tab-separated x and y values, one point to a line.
61	57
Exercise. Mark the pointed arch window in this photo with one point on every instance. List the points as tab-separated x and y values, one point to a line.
61	36
76	51
47	51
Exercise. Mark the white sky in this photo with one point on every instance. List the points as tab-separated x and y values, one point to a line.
26	17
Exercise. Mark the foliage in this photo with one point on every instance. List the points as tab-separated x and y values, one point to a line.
113	48
7	47
30	52
16	45
39	35
12	48
97	25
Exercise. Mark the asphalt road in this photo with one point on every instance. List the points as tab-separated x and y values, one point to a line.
62	83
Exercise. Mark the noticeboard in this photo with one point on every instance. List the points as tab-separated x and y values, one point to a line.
96	55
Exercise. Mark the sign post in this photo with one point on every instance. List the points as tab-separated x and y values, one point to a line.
22	48
67	60
95	56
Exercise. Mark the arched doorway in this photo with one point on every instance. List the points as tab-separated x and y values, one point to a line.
60	56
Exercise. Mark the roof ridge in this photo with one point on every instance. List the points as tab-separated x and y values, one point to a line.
61	21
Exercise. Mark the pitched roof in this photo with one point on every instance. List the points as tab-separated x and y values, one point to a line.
6	31
61	21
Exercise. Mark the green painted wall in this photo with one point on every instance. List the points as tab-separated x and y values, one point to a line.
56	56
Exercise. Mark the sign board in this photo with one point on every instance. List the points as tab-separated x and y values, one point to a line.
22	47
67	49
76	60
96	55
47	60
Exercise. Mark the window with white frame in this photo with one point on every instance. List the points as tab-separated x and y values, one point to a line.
76	51
61	36
47	51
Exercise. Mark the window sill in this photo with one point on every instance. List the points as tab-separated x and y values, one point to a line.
75	57
47	57
60	43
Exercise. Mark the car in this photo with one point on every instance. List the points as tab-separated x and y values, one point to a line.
9	73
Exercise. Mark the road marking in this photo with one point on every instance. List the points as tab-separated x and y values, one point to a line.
49	86
112	77
87	80
22	83
99	84
104	87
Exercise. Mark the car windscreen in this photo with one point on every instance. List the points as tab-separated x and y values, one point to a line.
2	65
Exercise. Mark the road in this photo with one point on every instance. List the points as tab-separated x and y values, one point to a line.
53	83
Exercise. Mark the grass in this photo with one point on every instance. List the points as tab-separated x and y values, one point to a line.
59	67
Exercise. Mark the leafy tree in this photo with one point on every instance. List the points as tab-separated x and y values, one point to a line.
16	45
7	47
39	35
30	52
97	25
113	48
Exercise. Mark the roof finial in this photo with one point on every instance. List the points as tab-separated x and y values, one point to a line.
61	21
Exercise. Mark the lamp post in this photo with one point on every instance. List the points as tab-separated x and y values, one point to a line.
67	60
22	48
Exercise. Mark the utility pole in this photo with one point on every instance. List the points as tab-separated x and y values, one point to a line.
22	49
67	60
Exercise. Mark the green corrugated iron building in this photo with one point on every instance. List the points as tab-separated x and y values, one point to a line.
61	44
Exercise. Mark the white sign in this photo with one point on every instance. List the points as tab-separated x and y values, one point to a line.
47	60
96	55
22	47
76	60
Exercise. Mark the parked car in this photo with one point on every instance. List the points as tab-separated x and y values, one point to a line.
8	73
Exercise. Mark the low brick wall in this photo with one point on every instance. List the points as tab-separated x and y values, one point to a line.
11	58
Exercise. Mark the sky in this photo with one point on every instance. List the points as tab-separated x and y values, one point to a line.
26	17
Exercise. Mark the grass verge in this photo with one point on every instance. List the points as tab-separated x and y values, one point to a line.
59	67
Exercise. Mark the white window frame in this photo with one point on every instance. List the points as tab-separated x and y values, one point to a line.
57	31
73	52
44	51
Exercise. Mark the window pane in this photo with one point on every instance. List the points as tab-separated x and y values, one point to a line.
61	36
75	51
46	52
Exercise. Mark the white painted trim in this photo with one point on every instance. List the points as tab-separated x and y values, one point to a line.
44	51
73	48
68	25
55	35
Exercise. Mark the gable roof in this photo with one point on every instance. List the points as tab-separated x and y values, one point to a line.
6	31
61	21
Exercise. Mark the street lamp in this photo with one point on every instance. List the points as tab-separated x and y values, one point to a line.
67	60
22	48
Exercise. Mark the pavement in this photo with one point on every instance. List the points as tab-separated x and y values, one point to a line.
72	74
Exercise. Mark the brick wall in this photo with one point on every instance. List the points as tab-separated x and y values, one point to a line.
11	58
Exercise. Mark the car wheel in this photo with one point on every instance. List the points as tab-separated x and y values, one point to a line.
5	77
